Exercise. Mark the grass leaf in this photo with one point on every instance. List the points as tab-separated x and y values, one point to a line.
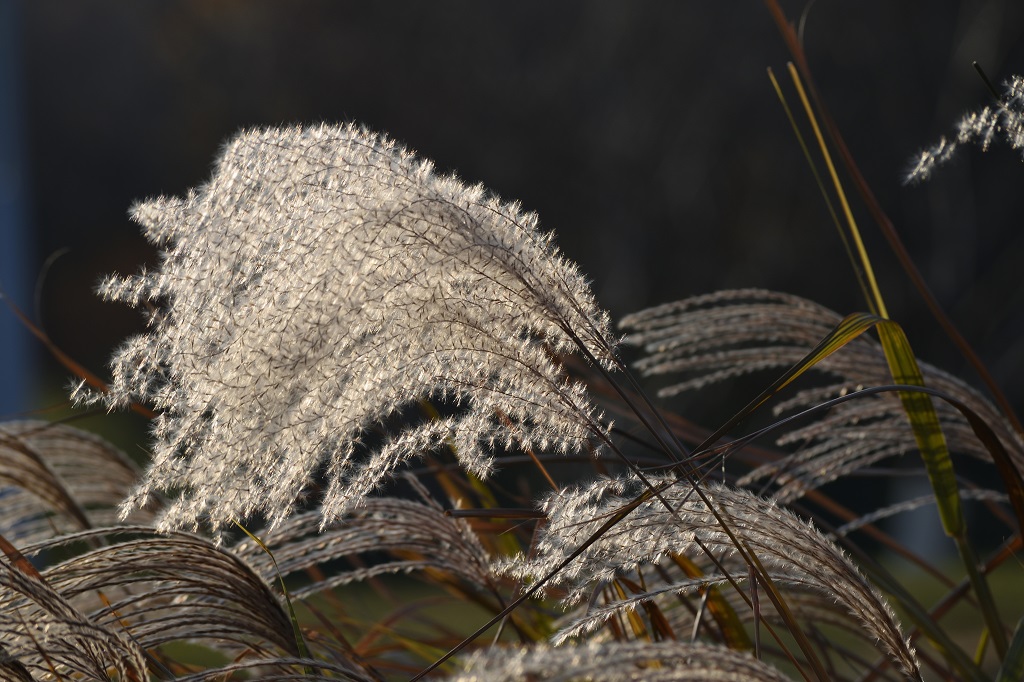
300	641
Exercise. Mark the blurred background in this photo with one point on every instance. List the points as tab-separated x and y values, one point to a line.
646	134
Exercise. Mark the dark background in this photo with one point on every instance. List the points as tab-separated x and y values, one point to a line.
646	134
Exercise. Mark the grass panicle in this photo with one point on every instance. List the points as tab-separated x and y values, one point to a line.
55	478
793	551
661	662
322	281
1003	121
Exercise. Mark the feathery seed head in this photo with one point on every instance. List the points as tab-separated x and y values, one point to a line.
321	281
788	547
980	127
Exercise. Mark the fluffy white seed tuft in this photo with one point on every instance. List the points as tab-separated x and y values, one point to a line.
311	294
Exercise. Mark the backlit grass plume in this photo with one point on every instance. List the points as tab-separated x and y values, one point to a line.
322	281
662	662
717	337
681	523
982	127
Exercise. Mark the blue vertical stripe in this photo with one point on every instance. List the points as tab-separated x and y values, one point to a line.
15	260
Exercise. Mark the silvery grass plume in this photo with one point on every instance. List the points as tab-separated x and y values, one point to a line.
55	479
416	535
324	280
612	662
96	613
716	337
43	635
1005	120
168	587
792	551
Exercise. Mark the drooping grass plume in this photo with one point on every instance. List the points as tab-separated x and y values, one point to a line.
789	548
170	587
44	635
728	334
417	535
614	662
322	280
56	478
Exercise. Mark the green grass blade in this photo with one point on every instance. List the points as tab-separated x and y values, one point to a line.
925	422
927	433
847	330
794	43
919	409
300	641
902	363
935	453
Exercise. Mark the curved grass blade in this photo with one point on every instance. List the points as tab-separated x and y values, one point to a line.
886	226
847	330
300	642
927	433
928	436
932	444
